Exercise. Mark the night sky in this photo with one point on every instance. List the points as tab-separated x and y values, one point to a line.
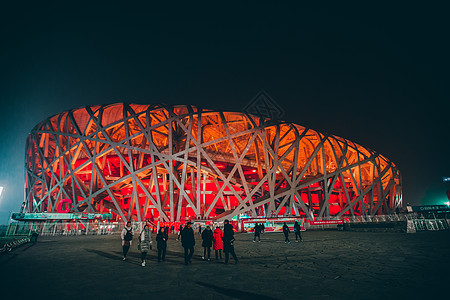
375	74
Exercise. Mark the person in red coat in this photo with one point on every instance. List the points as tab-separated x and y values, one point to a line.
218	242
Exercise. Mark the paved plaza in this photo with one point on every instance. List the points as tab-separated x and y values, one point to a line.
326	265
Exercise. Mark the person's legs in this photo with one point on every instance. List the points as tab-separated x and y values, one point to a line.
143	255
234	255
159	254
186	259
125	251
204	253
220	253
227	257
209	253
164	254
191	252
217	254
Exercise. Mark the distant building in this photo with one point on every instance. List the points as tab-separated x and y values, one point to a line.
171	163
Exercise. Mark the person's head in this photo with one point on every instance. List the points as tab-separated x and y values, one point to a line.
284	223
226	222
208	227
162	229
189	224
128	224
146	227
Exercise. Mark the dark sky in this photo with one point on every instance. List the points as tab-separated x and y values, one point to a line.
377	74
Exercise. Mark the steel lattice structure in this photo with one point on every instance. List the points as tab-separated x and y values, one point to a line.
171	163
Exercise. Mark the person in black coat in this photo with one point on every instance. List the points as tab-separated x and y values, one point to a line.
207	237
228	242
286	231
188	242
297	231
257	233
161	243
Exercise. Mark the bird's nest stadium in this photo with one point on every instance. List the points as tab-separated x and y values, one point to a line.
171	163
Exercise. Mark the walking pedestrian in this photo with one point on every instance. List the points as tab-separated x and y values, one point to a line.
286	231
145	241
199	229
218	242
207	237
188	242
179	232
228	242
161	244
127	237
257	233
263	228
297	231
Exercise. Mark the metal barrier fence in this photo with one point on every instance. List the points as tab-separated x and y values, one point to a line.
54	228
7	244
430	224
66	228
379	218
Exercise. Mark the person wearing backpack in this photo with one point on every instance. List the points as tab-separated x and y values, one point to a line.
127	237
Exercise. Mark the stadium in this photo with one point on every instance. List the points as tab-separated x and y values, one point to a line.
173	163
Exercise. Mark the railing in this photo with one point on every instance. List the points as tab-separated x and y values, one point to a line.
431	224
63	228
7	244
68	228
378	218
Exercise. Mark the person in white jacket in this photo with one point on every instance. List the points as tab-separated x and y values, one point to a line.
127	238
145	242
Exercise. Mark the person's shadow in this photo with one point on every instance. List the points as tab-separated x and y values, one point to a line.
105	254
238	294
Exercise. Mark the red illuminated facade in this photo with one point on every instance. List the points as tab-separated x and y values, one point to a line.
172	163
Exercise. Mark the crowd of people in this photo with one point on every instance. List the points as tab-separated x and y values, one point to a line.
218	240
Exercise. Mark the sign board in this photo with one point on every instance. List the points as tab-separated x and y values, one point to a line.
425	208
326	222
60	216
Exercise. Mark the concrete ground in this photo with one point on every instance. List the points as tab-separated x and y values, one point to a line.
326	265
